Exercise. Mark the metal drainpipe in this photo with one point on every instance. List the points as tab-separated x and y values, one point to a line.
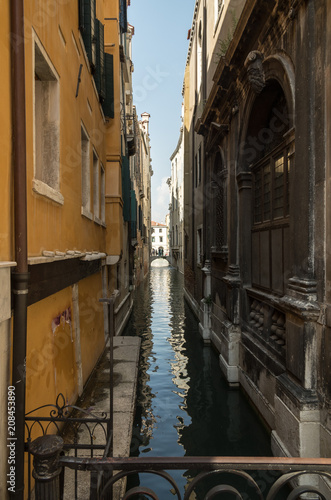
20	276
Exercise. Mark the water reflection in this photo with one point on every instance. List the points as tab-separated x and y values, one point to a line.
184	405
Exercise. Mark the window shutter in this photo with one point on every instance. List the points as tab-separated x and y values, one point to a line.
81	4
87	17
108	104
99	75
126	188
123	16
133	214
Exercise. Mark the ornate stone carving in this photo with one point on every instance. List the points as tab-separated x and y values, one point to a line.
255	72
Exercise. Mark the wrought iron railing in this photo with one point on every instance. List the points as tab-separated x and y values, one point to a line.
82	432
298	473
60	432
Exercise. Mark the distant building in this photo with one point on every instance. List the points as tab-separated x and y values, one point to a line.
176	208
141	172
160	245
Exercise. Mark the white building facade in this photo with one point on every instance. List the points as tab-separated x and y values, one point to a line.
160	244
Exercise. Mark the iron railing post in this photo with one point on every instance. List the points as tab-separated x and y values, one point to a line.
46	468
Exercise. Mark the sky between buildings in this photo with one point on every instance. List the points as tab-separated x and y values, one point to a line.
159	51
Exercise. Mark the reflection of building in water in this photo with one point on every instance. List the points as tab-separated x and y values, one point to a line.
140	325
149	300
176	339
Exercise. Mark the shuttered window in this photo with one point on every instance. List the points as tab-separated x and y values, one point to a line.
133	214
123	16
87	26
126	188
108	104
99	74
101	64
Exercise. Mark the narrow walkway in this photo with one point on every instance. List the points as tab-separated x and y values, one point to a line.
96	400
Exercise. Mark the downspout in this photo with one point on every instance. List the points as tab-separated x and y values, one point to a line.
20	276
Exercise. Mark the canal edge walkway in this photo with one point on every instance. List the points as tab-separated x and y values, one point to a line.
96	398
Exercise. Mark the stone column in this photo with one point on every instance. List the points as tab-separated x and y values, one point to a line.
297	407
206	304
244	181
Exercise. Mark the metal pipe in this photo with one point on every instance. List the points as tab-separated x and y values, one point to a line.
21	276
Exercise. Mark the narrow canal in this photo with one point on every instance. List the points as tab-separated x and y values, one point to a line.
184	405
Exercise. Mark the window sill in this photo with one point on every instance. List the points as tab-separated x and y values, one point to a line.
45	190
98	221
86	213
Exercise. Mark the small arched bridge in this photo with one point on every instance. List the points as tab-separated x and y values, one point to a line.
154	257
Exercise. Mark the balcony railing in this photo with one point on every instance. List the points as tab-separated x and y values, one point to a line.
298	476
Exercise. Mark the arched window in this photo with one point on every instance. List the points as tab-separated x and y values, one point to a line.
269	153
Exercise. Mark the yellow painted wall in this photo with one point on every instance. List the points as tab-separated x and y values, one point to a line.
6	252
50	225
91	322
50	351
51	359
114	203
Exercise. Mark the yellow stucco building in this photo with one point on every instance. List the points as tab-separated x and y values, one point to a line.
77	193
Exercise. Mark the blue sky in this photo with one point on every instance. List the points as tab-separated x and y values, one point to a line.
159	51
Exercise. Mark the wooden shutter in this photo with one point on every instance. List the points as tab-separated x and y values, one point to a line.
126	188
99	74
108	104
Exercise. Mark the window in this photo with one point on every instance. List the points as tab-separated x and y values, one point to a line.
123	16
270	195
199	246
271	185
108	103
153	230
199	56
103	194
99	74
46	127
218	5
161	239
219	204
87	25
86	181
153	239
160	230
96	187
198	167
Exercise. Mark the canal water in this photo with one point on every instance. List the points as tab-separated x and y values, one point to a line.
184	405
